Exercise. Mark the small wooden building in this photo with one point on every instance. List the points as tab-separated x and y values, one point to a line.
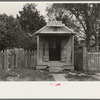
55	47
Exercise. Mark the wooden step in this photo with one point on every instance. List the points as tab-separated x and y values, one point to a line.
55	68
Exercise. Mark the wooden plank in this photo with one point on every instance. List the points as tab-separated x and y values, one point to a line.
1	60
23	59
26	59
5	59
91	62
99	62
16	52
95	61
37	49
72	49
84	58
34	59
29	58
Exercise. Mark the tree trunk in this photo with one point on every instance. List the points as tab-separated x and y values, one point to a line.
88	43
97	43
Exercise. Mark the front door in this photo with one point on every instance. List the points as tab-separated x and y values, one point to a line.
55	49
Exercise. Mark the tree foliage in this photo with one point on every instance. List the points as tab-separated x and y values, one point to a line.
9	31
84	17
16	32
30	18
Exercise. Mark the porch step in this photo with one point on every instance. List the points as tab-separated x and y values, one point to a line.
55	69
55	64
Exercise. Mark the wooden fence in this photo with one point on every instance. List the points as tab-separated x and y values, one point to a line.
93	59
83	60
87	60
13	58
78	58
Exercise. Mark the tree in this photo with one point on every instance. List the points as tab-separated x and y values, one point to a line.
30	21
9	31
11	34
30	18
83	15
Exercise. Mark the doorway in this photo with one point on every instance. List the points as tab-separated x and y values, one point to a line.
55	48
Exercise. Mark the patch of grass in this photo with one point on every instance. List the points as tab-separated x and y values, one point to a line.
25	74
80	78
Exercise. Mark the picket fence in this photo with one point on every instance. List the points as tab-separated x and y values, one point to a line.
14	58
93	59
85	60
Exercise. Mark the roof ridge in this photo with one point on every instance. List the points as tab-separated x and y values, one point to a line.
55	23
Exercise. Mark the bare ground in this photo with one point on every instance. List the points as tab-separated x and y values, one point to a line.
25	74
80	76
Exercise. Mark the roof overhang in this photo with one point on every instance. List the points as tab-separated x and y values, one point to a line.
56	28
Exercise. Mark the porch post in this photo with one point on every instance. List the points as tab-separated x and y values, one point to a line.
73	50
37	49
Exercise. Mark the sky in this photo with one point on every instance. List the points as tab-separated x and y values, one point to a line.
13	8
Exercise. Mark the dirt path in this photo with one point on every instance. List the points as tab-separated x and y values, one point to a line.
59	77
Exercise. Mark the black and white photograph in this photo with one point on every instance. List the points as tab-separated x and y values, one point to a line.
49	49
49	41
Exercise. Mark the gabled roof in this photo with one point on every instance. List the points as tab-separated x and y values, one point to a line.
55	27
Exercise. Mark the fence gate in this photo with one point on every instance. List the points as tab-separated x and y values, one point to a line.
78	58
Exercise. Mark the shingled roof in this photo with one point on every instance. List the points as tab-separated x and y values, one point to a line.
55	27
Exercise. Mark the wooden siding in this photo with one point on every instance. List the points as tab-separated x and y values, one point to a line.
44	49
66	49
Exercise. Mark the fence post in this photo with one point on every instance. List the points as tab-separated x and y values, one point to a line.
5	60
85	58
35	59
1	61
16	52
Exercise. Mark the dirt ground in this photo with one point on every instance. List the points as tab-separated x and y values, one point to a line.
80	76
25	74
